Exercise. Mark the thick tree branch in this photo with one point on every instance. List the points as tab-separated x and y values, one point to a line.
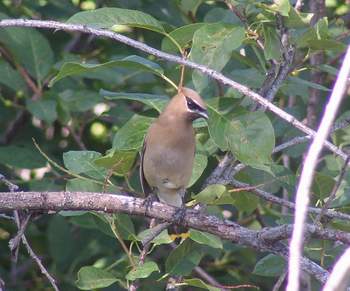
172	58
268	239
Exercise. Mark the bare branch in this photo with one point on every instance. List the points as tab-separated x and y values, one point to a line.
276	200
302	196
334	190
268	239
39	263
21	225
172	58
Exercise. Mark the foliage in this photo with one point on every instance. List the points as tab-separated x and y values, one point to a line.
88	103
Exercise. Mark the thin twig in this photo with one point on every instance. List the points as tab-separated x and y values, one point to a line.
205	70
6	216
302	196
280	281
122	243
206	277
30	83
39	263
334	191
21	225
14	242
276	200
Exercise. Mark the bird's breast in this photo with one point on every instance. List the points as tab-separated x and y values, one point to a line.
168	159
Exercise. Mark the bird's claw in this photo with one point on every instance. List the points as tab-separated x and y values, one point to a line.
148	202
179	215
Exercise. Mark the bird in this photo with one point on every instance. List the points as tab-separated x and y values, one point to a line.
168	151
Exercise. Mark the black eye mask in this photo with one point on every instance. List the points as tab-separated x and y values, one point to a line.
193	106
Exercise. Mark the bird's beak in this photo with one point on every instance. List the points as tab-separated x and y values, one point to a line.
204	114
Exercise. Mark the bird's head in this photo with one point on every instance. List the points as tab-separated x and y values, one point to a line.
193	104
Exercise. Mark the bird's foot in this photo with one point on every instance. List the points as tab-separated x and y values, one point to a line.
148	202
178	231
179	215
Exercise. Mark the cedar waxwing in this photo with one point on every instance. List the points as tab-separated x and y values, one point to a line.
169	147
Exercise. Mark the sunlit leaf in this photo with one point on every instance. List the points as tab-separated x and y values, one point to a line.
83	162
250	136
206	239
110	17
130	62
157	102
212	46
131	135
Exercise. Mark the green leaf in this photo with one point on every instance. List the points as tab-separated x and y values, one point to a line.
270	266
326	44
162	238
131	62
212	46
297	19
24	157
298	82
183	259
78	184
131	135
210	194
142	271
206	239
157	102
283	7
101	223
200	284
322	185
182	35
83	162
30	48
199	165
250	136
189	7
125	226
60	247
244	201
272	47
10	77
223	15
79	100
111	18
91	277
43	109
118	161
343	198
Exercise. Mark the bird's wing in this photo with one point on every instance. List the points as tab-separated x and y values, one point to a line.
146	188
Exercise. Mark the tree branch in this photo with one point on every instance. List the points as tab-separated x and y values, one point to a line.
276	200
172	58
267	239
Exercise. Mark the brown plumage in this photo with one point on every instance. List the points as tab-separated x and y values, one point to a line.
169	148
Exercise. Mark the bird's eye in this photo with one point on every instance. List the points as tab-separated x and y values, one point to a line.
191	104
